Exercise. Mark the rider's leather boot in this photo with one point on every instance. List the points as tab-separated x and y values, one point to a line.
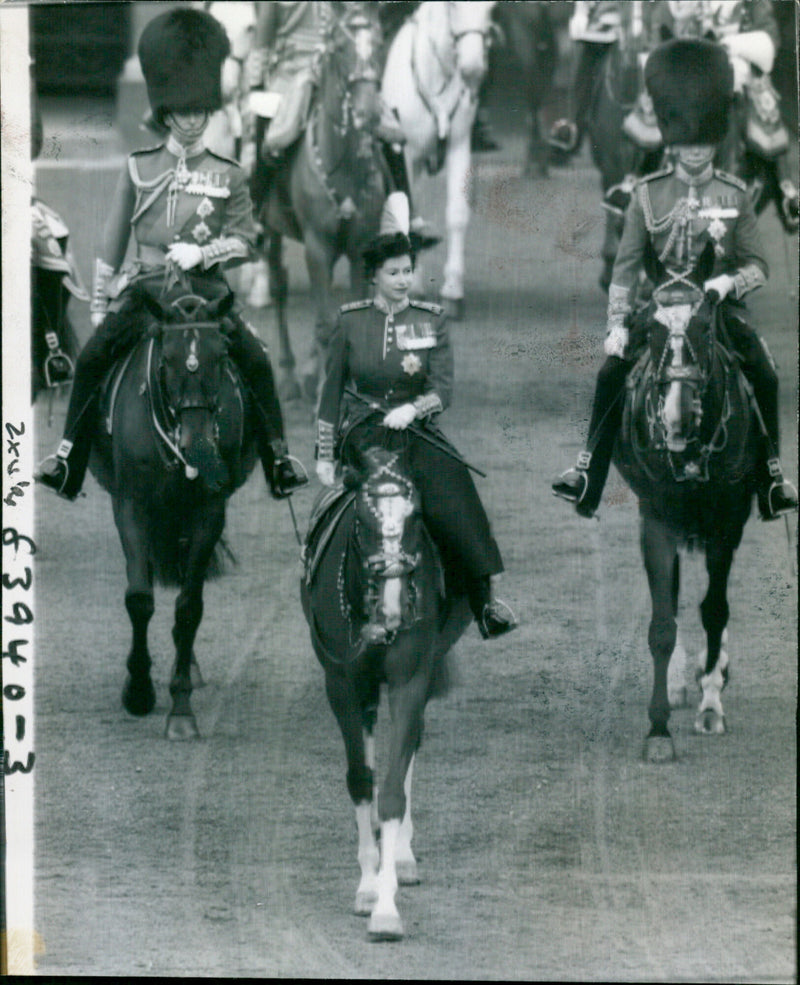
493	616
279	469
64	472
776	495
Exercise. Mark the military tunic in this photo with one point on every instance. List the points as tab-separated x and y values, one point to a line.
170	195
395	357
678	215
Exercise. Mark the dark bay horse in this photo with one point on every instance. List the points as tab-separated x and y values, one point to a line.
530	38
330	190
687	448
373	597
171	446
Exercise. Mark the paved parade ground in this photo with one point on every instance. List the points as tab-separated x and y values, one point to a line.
547	849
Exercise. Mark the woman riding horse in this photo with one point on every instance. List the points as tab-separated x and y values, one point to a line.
392	355
677	213
186	206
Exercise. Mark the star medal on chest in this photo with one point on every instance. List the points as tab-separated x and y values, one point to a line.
717	230
411	363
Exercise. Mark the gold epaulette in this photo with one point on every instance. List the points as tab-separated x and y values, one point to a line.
355	305
661	173
221	157
435	309
147	150
731	179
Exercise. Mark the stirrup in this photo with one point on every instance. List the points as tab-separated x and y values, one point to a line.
771	508
56	480
494	622
563	136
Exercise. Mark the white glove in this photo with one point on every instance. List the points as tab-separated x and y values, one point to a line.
723	285
186	255
97	318
755	47
616	340
400	417
326	472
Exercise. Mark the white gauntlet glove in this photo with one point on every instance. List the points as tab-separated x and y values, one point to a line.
723	285
616	340
185	255
400	417
326	472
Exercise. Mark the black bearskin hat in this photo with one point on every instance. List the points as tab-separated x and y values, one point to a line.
691	84
181	53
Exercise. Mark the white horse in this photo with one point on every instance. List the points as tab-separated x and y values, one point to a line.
433	70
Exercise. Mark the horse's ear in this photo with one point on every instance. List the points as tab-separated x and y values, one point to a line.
219	309
351	478
152	305
653	267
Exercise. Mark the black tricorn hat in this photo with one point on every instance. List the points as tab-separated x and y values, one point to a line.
691	84
181	53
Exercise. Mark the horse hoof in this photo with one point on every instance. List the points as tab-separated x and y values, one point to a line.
138	700
710	722
181	727
407	874
659	749
453	308
385	927
365	903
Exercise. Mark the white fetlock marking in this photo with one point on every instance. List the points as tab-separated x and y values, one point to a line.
677	693
406	863
711	686
387	874
368	860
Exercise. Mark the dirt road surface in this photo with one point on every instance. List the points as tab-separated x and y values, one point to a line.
548	850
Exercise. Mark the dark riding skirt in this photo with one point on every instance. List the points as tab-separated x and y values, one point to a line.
451	506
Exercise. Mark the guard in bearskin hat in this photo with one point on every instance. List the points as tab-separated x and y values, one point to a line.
678	212
185	206
391	353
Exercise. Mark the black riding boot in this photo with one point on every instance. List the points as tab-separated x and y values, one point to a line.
776	495
584	484
494	617
249	355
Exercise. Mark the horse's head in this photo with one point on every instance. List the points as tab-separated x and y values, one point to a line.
353	51
192	361
388	531
471	28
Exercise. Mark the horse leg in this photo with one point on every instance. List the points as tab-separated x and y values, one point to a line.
659	549
288	387
406	706
344	702
406	863
457	167
712	675
181	723
319	262
138	693
677	690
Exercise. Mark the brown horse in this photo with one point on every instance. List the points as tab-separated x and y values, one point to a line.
378	615
330	190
